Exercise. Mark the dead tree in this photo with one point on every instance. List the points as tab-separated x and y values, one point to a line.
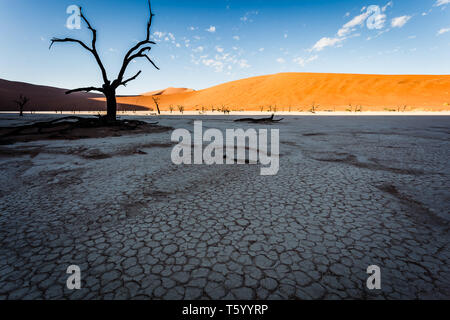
21	103
156	101
109	87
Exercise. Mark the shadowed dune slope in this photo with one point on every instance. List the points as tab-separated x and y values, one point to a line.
298	91
43	98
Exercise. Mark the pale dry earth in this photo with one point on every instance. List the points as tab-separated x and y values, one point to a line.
351	192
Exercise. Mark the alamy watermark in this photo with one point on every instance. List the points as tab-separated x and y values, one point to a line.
374	281
74	280
74	20
216	152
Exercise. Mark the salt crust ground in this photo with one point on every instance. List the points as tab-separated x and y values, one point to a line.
351	192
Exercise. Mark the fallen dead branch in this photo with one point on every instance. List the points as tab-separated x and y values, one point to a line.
261	120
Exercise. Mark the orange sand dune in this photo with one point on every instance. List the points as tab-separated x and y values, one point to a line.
167	91
299	91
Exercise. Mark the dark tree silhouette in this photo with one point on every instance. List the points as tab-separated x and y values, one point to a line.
156	101
109	88
21	102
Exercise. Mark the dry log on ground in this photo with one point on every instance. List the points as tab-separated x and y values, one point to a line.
261	120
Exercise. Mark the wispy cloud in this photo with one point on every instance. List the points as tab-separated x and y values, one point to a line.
399	22
211	29
389	4
373	16
302	62
281	60
248	16
198	49
443	30
441	3
349	26
326	42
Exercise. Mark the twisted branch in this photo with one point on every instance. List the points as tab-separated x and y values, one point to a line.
87	89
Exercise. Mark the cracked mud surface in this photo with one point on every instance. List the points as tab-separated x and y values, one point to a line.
351	192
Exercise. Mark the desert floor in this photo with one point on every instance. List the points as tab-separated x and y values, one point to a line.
351	192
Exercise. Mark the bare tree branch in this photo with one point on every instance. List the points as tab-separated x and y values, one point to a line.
70	40
94	48
151	61
124	83
140	54
87	89
149	24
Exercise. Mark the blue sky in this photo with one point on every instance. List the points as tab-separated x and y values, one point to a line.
204	43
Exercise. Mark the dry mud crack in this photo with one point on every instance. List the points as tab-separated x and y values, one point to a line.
140	227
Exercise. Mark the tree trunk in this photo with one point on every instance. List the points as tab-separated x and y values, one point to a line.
111	105
21	112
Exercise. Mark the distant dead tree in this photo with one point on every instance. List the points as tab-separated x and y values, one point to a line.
21	103
109	87
156	102
171	108
181	109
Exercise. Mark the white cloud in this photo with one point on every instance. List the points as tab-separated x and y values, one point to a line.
261	49
349	26
326	42
243	64
217	65
285	35
219	49
237	38
443	30
248	16
412	37
159	34
313	58
281	60
199	49
372	16
193	28
400	21
441	3
375	20
389	4
211	29
302	62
